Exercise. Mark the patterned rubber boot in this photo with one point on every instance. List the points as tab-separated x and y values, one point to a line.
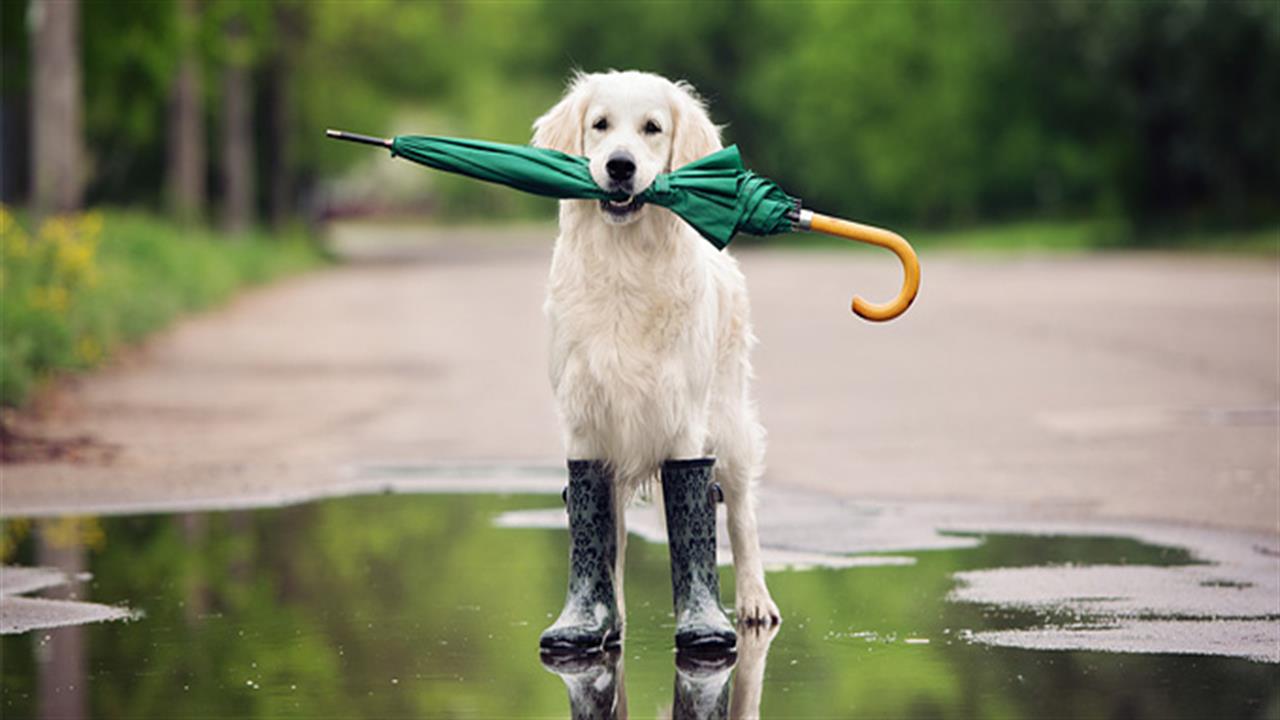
702	686
589	620
690	498
594	683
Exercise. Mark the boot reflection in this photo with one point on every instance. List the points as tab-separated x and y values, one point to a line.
702	685
708	686
594	681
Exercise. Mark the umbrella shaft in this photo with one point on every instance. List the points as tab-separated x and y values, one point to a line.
357	137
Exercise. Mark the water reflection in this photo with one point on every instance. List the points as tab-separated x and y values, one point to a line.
707	686
594	681
702	686
417	606
753	651
61	664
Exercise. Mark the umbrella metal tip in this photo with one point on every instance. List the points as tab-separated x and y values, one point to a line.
358	138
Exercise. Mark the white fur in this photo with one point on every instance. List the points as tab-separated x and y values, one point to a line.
650	324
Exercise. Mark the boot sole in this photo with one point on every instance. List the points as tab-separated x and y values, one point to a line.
707	643
612	639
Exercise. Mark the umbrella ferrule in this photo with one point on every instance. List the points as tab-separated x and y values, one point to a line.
358	138
803	219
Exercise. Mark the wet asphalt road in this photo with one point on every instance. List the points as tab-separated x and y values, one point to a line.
1113	386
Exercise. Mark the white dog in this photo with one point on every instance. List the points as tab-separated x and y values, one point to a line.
650	324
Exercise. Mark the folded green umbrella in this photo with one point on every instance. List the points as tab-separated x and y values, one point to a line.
716	195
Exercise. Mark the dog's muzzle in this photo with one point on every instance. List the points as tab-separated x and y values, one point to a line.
621	208
621	168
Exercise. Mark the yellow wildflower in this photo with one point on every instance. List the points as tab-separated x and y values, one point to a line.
91	225
13	237
88	350
56	230
16	244
51	297
74	258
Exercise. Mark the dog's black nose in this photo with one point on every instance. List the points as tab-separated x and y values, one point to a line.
621	166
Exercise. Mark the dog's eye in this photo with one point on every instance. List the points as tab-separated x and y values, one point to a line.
652	128
602	124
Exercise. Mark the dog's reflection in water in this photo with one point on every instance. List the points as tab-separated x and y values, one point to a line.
706	685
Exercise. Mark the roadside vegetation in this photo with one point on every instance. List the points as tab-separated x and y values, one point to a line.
79	285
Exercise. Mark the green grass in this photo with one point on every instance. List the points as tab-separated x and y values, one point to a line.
81	286
1062	237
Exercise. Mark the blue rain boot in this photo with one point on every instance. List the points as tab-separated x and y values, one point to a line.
690	499
589	620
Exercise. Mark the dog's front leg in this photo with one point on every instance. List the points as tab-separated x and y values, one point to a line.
590	619
751	596
583	444
620	500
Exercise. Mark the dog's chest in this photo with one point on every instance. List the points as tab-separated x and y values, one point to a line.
647	335
653	310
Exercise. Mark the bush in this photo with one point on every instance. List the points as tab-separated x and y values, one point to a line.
84	284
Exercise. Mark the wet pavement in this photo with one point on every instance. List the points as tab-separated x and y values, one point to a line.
1128	385
430	605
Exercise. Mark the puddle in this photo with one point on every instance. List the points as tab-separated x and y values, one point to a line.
430	606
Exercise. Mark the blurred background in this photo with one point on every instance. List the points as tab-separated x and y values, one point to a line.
923	114
1048	124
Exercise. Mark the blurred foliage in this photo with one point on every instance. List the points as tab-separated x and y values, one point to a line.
83	284
430	611
1065	236
923	114
1153	121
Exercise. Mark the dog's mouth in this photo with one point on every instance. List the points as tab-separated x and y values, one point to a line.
621	209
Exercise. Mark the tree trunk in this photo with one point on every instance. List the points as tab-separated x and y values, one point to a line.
282	122
57	173
237	136
291	30
186	172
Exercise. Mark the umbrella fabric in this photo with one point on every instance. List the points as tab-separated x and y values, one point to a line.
720	198
523	167
716	194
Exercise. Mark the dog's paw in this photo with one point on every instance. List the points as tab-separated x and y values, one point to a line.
755	639
753	644
755	607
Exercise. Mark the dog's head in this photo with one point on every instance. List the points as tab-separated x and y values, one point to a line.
631	126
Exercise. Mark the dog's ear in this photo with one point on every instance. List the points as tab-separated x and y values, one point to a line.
694	135
560	128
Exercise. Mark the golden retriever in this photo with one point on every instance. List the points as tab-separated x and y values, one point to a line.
650	324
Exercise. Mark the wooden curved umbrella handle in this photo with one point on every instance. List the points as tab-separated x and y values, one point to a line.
874	236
